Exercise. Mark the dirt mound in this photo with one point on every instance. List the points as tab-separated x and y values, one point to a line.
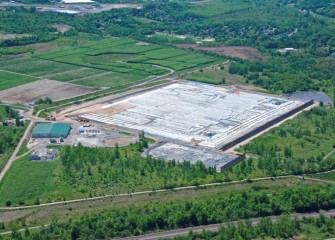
248	53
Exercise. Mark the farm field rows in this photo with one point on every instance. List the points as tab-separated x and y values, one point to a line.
128	56
109	80
76	75
89	64
35	67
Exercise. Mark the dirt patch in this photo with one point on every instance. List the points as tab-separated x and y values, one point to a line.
250	88
122	141
10	215
4	36
55	90
142	44
248	53
62	27
41	47
103	109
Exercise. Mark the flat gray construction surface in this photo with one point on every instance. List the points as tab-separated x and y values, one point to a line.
195	113
179	153
315	96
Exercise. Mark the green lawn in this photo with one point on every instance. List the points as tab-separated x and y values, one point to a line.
10	80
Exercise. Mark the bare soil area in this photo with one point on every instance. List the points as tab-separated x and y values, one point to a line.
62	27
5	36
39	89
250	88
103	109
121	141
248	53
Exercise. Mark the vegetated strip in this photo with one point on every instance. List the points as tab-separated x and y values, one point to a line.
152	191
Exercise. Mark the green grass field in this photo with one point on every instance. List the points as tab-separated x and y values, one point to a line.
215	77
36	67
76	75
27	180
112	80
10	80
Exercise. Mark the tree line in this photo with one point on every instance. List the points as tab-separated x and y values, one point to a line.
136	220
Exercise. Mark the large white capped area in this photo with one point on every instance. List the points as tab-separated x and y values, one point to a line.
201	114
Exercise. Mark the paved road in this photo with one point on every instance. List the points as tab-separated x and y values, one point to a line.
215	227
13	157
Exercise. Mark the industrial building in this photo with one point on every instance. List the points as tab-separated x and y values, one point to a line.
181	153
197	121
199	114
51	130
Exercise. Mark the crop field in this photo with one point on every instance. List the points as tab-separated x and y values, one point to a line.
109	80
84	73
9	80
128	56
89	64
35	67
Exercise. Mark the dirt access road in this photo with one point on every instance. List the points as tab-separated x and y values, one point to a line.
13	157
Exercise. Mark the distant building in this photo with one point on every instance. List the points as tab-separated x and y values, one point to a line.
285	50
77	1
51	130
